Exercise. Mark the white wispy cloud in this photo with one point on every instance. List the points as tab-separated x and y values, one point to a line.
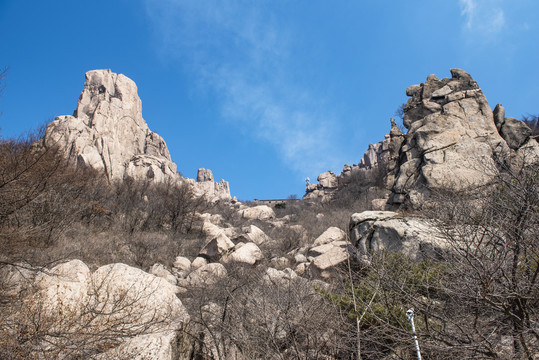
239	51
483	17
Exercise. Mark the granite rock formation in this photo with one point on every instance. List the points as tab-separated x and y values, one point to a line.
212	189
454	141
373	231
107	133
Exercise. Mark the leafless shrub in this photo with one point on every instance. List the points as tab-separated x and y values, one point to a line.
80	322
533	123
254	316
40	196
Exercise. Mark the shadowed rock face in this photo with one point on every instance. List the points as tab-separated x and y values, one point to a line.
107	131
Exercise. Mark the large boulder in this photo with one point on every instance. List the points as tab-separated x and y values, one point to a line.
327	258
82	313
330	235
254	234
372	231
217	247
513	131
248	253
260	212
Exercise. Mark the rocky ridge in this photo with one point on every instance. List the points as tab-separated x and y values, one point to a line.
454	140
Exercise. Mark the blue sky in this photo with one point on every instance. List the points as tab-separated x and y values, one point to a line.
264	93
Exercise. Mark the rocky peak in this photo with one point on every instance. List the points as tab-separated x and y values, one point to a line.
211	189
107	132
204	175
429	97
454	140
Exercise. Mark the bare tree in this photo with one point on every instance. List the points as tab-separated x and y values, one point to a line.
81	320
494	240
256	315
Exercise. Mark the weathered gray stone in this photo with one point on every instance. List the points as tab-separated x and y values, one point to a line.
385	230
248	254
260	212
515	132
217	247
330	235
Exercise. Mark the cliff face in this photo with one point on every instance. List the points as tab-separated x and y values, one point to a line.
107	133
454	140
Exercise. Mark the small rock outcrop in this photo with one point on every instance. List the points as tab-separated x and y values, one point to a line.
205	185
327	184
248	253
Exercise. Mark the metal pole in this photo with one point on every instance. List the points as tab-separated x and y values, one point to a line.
410	316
